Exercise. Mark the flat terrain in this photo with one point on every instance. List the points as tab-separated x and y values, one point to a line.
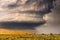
30	37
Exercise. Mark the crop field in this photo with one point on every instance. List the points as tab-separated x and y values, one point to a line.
30	37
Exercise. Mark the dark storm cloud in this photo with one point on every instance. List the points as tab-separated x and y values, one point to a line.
20	25
29	25
52	24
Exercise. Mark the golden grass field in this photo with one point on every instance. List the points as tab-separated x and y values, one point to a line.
6	34
30	37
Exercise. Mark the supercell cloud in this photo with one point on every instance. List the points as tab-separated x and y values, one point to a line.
39	15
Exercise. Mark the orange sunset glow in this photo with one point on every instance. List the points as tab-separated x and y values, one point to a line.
7	31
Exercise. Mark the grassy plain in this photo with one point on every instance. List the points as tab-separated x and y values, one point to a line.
30	37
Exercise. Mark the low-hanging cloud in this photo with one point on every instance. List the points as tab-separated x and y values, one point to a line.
52	24
30	14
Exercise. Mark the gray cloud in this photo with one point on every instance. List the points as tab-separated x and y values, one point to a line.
52	24
29	15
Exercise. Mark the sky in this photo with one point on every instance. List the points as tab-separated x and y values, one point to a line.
30	15
52	24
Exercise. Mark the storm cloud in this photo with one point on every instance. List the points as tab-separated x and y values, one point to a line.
52	24
39	15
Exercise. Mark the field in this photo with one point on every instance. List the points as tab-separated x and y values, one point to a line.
30	37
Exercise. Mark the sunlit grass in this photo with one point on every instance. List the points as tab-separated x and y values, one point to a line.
30	37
